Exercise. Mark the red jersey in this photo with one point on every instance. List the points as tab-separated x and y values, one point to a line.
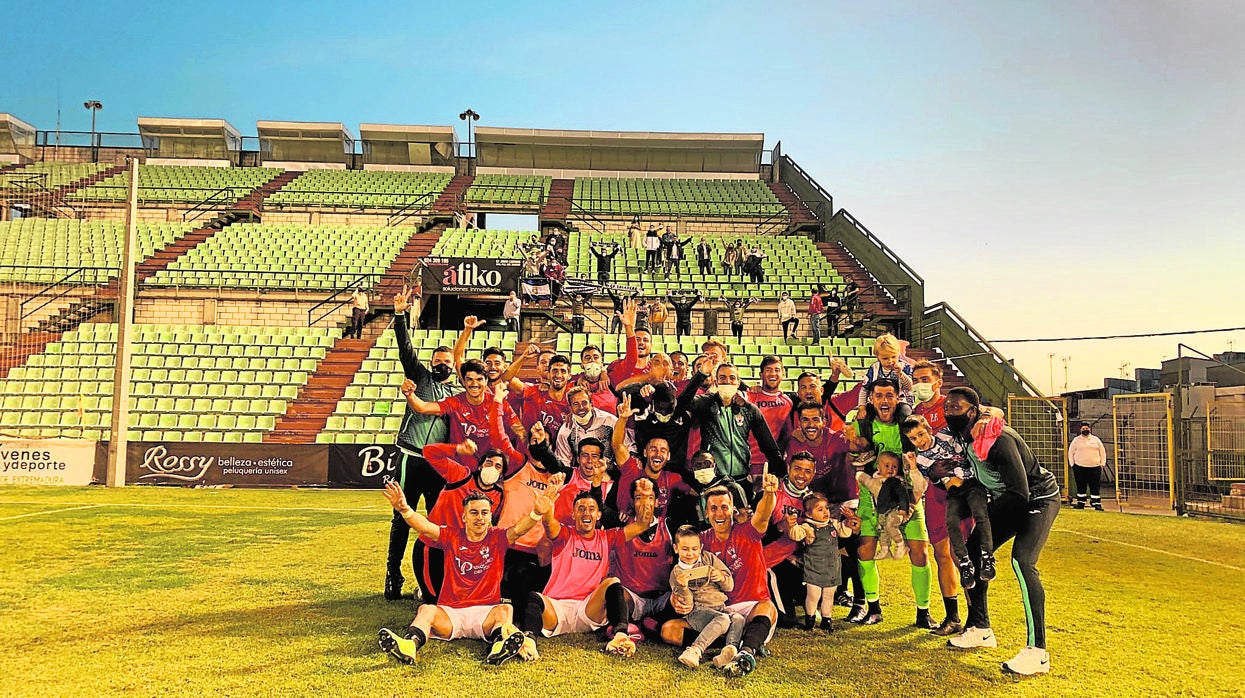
472	569
449	507
468	421
603	398
787	504
632	470
775	408
643	567
624	368
836	477
932	412
744	557
579	564
540	406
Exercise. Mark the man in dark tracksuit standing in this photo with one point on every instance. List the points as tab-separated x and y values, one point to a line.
416	477
726	420
1024	503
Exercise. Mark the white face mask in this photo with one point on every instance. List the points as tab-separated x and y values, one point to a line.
663	418
489	475
727	392
923	392
705	475
593	370
582	420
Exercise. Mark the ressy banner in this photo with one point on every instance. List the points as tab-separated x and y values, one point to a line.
198	463
470	275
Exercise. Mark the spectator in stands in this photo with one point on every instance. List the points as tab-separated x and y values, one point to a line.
358	313
555	244
579	302
741	256
815	309
728	258
737	307
652	249
657	313
704	257
634	235
673	250
833	304
605	253
851	298
786	316
1087	456
754	265
556	274
683	304
511	312
617	300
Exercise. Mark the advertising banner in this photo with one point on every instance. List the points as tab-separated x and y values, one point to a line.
204	464
46	462
470	275
363	466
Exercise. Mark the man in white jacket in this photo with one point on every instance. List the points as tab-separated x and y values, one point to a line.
1087	456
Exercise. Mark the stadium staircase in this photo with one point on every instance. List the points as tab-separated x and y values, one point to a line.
874	303
308	413
801	217
55	205
403	266
93	179
250	205
558	204
453	195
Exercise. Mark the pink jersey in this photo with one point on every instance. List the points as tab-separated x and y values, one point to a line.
472	569
540	406
776	409
835	477
468	421
744	557
632	470
564	507
643	567
579	564
521	491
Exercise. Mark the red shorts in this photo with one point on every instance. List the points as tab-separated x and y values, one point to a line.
936	516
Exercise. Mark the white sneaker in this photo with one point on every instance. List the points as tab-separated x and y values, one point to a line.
690	658
974	637
1030	661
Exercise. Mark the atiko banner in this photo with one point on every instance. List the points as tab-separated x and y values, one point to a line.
46	462
365	466
193	464
471	275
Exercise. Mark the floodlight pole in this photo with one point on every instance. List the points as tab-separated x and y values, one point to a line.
118	441
93	105
469	116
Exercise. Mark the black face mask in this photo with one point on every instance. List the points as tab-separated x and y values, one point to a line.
958	423
1085	432
441	373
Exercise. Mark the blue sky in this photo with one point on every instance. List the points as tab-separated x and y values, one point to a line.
1051	169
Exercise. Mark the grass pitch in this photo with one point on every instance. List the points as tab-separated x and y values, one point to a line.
151	591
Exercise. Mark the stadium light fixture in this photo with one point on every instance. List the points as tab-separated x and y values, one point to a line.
93	105
469	116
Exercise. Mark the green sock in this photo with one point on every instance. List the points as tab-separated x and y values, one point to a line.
870	580
921	579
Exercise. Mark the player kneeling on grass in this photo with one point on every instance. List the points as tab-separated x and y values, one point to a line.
700	579
580	597
469	605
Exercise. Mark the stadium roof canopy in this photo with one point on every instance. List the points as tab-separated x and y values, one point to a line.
413	147
616	153
16	138
304	142
211	139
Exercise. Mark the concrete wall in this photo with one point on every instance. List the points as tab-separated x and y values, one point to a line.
248	309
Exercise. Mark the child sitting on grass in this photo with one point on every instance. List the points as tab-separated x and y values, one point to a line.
894	500
701	578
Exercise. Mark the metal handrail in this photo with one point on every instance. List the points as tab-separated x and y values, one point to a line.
213	199
986	346
410	209
356	283
877	242
781	216
36	181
